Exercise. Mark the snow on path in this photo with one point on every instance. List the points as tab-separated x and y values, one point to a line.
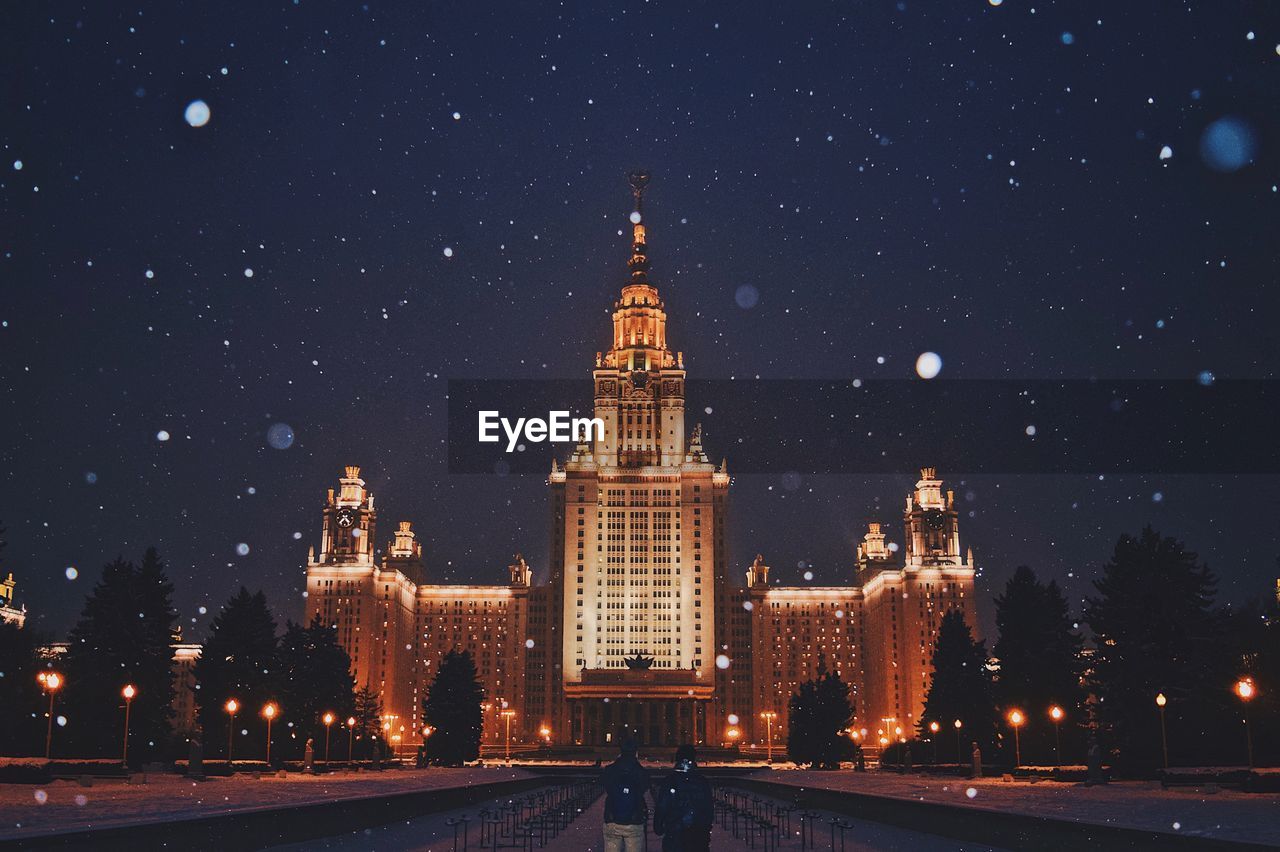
1202	811
67	806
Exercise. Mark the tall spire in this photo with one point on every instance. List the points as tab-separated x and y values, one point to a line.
639	262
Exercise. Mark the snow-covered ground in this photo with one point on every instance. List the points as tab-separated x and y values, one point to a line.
27	809
1202	811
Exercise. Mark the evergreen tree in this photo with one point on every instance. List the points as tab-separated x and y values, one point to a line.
452	709
1156	632
368	715
316	678
820	712
124	636
1039	656
238	662
960	689
22	702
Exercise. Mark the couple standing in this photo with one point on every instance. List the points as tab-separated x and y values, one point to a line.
683	809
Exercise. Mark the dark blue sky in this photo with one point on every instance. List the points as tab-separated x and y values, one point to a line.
985	182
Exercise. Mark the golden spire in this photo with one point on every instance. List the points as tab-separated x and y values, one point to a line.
639	262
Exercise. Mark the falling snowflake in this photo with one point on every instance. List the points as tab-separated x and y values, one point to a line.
928	365
197	113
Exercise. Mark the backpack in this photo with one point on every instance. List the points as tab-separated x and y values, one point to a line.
690	804
625	802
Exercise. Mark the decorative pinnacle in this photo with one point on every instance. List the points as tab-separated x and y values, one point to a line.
639	263
639	179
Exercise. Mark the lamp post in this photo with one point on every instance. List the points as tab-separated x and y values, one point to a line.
508	715
1246	690
1016	719
269	711
1056	713
52	682
933	730
351	735
128	692
959	755
1161	701
768	717
327	718
231	707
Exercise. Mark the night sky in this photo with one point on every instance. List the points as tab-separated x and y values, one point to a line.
388	196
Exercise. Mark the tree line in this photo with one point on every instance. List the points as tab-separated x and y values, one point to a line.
1154	629
125	636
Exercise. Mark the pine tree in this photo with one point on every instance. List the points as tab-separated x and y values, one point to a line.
315	677
1156	632
238	662
1039	656
123	637
960	688
452	710
22	703
819	713
368	715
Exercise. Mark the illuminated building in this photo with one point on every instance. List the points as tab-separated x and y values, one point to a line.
9	612
640	627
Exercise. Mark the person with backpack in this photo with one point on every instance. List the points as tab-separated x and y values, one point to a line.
684	811
625	813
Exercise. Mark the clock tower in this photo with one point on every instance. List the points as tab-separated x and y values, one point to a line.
349	522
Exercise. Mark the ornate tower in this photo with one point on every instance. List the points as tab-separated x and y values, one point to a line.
349	522
638	538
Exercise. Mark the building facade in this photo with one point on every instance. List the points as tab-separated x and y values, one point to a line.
641	627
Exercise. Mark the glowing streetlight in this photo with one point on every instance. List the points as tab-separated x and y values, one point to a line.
269	711
958	725
1016	720
128	692
327	718
351	735
1246	690
545	733
232	707
732	734
508	715
934	727
52	682
1161	701
1056	713
769	716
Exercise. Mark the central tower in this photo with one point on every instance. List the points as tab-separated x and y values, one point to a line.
638	536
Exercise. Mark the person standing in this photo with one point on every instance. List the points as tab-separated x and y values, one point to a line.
684	811
625	813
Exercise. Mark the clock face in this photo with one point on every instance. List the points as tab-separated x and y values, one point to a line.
346	518
935	519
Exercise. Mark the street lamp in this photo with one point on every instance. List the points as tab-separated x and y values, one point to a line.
231	707
1246	690
1161	701
508	715
351	735
327	718
545	733
1056	713
52	682
1016	719
769	716
958	726
128	692
933	729
269	711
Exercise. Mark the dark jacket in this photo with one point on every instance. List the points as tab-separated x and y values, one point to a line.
684	811
625	783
